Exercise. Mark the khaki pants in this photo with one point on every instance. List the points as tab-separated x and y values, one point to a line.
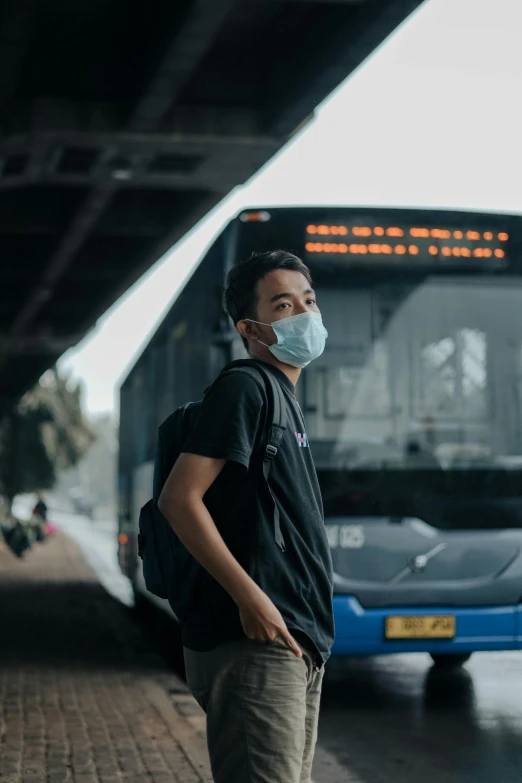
262	706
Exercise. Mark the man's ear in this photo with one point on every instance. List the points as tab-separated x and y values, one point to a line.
247	329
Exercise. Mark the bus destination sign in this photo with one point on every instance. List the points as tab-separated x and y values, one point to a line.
366	241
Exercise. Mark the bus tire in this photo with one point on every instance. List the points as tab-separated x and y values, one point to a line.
449	660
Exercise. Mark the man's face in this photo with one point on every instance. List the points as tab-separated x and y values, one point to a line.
280	294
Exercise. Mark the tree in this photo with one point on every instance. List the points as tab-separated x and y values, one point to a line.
44	433
93	482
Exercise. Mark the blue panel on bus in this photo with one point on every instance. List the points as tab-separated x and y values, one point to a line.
361	631
519	627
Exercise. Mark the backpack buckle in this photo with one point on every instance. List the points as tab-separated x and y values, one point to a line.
270	451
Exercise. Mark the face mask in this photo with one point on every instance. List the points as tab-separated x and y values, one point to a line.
300	338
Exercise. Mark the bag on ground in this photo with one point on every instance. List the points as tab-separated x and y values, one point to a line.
17	539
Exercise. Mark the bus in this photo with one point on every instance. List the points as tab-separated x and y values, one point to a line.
414	415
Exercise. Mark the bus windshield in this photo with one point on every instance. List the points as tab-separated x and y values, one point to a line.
415	408
418	376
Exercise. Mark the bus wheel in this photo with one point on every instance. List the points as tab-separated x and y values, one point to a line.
450	660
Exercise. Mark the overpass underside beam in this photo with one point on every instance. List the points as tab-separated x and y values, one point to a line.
189	159
122	125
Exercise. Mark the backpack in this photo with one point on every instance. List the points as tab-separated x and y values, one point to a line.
169	570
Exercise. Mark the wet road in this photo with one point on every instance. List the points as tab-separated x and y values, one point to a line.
399	719
393	719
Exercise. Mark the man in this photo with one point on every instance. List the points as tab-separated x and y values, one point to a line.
261	626
40	508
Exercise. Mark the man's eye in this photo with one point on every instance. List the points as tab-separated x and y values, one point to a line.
283	305
312	301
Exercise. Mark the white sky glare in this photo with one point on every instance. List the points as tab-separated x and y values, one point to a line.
431	119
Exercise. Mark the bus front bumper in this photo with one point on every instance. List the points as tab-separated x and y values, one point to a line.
360	631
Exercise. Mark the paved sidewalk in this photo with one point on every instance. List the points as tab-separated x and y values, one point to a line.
83	696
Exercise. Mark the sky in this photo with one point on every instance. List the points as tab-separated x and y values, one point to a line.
431	119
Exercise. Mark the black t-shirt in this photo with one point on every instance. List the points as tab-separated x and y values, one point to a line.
232	425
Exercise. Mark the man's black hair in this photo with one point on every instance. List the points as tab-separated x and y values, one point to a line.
240	294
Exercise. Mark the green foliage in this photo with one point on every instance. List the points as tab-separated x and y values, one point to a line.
46	432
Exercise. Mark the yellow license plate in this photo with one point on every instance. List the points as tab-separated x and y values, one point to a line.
440	626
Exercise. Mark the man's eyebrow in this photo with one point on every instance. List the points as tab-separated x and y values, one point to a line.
287	295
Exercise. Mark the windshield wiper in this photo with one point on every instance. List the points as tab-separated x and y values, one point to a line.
418	563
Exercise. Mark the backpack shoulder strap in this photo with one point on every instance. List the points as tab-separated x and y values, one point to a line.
274	392
276	429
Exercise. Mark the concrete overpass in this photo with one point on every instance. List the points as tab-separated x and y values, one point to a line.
123	123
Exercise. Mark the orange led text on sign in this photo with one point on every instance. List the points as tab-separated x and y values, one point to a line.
324	230
360	249
395	231
385	249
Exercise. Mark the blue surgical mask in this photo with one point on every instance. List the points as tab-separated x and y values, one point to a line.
300	338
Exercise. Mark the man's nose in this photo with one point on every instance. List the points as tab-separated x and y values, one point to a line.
301	307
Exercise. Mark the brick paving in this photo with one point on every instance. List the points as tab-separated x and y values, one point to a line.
84	697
